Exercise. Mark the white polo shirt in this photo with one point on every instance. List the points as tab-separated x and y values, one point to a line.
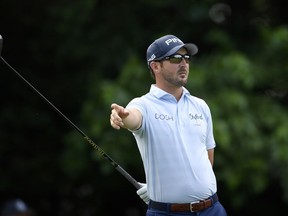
173	141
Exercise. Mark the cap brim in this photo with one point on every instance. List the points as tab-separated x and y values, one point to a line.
190	47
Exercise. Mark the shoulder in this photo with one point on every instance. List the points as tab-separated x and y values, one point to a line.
200	104
138	103
198	101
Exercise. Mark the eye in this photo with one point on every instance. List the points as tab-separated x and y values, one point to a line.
178	56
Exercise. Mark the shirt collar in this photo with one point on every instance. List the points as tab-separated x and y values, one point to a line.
159	93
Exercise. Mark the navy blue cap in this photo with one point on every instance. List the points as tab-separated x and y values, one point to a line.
14	207
166	46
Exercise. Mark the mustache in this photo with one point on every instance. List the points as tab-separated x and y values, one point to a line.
183	69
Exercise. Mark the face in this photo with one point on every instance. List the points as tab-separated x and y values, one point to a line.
173	74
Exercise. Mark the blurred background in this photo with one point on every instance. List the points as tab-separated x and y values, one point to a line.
85	55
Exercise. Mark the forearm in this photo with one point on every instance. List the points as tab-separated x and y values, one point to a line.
133	121
211	156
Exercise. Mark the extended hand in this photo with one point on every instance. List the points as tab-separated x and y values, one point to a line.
118	113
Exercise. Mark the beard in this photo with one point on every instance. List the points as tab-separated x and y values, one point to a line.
179	79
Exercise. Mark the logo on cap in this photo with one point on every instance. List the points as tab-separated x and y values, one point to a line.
174	40
152	57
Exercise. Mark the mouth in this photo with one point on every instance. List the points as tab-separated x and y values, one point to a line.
183	73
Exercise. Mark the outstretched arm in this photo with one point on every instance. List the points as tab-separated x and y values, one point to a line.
125	118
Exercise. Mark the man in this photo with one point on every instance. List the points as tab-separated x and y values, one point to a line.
174	134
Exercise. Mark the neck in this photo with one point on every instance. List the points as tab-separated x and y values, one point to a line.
173	90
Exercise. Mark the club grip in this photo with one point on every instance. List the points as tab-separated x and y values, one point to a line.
128	177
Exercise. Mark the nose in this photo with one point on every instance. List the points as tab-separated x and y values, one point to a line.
184	60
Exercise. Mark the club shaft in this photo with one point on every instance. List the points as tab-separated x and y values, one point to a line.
95	146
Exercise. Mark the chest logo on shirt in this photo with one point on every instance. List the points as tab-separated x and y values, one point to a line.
197	118
163	117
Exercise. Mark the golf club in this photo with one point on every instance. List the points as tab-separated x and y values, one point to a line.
95	146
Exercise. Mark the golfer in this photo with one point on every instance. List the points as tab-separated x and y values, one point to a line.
174	134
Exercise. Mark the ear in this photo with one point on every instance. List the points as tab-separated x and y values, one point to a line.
155	66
